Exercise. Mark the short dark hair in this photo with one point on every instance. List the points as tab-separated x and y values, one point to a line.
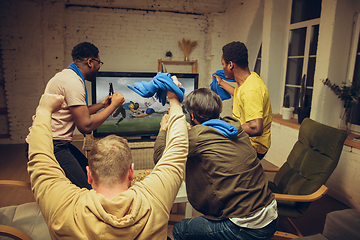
237	53
204	104
84	50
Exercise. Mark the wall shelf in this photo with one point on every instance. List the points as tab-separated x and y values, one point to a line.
170	62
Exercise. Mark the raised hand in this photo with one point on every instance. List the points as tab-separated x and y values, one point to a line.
171	95
50	103
218	79
117	99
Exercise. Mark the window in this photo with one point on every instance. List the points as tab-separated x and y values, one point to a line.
354	74
258	62
303	40
304	10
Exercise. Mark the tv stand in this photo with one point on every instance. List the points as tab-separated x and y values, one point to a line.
140	138
145	138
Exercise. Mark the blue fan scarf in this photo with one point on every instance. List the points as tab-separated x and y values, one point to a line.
159	85
78	72
224	95
223	127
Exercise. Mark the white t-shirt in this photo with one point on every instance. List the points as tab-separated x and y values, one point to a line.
260	218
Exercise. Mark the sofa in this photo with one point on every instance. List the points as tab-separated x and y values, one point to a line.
339	225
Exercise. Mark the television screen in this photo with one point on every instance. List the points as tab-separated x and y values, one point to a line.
139	118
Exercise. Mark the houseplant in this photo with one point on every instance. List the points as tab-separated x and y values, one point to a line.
348	94
286	110
303	112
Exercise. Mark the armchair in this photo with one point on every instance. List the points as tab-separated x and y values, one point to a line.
24	221
301	179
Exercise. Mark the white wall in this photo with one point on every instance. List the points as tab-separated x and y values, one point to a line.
274	49
282	141
343	183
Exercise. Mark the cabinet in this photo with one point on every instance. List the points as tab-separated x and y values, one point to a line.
170	62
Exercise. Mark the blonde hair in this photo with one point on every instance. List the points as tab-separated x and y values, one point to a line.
110	160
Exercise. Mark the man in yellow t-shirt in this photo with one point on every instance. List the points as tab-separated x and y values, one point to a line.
251	102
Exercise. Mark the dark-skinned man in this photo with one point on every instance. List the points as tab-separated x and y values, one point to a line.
70	83
251	100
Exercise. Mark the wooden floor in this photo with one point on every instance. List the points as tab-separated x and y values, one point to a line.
13	165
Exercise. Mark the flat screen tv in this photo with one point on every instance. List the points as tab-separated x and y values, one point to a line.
139	118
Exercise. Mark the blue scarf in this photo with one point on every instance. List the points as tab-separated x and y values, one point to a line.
224	95
78	72
223	127
159	85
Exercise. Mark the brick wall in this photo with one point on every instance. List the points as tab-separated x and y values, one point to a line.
36	39
132	40
21	48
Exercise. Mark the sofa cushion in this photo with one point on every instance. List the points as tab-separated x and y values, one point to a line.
342	224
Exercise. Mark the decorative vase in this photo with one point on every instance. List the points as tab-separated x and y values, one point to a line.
344	124
186	56
303	113
287	113
187	46
344	120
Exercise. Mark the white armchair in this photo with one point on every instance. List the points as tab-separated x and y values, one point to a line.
23	221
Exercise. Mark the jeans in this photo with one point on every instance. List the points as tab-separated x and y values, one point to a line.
202	228
73	162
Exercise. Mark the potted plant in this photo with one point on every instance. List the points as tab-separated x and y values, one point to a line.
303	112
168	55
286	110
348	94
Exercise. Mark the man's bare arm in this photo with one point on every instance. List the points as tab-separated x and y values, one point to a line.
87	122
254	127
97	106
